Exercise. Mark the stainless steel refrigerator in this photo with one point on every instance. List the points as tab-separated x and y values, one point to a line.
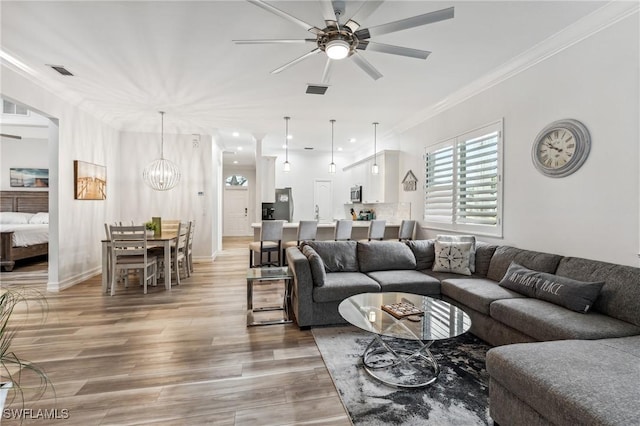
283	205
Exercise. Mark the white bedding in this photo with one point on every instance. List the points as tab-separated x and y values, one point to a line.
27	235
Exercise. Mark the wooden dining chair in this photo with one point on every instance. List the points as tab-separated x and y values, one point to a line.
270	241
189	254
129	251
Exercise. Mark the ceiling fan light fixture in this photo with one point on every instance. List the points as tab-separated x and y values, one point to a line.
337	49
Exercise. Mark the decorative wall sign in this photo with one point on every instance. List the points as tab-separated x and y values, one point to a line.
410	182
90	181
29	178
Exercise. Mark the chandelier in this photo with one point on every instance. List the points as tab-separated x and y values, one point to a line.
161	174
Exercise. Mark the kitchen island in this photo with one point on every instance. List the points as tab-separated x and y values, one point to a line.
327	229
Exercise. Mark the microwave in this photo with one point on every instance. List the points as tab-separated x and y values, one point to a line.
356	194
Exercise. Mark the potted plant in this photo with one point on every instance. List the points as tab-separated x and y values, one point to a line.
14	369
151	228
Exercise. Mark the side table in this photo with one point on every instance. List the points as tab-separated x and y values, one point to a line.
257	276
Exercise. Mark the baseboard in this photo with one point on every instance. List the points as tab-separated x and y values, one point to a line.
71	281
197	259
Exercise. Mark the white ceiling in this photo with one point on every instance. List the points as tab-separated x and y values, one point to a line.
134	58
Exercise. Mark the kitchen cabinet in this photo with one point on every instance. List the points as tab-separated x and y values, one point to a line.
383	187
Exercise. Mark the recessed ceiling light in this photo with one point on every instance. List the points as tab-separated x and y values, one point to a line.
284	146
235	161
289	137
239	148
352	140
339	148
235	134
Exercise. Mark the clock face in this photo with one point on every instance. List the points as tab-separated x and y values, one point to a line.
561	148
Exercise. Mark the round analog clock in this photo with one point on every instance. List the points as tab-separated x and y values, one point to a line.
561	148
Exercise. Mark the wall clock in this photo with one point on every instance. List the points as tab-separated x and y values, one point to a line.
561	148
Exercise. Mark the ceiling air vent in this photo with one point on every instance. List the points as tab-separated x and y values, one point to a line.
61	69
316	89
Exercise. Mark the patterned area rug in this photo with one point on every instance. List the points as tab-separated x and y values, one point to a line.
460	396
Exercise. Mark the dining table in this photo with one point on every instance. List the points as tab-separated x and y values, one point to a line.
164	240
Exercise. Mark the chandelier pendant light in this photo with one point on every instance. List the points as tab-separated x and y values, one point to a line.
374	168
161	174
332	166
287	165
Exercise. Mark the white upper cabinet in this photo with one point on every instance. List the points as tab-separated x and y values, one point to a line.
380	188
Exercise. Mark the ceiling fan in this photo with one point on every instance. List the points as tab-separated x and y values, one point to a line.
341	40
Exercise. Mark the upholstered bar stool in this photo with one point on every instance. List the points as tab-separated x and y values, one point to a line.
343	230
270	241
406	230
376	229
307	231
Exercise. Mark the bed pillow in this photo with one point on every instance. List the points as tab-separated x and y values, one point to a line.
452	257
15	218
39	219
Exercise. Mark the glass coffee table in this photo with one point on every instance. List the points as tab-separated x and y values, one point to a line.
403	359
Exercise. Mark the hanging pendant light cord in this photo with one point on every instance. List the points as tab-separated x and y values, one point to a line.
286	139
375	138
162	135
332	121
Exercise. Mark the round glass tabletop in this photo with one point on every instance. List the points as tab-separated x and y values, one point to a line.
437	319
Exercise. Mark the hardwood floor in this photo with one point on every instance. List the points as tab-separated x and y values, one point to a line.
183	357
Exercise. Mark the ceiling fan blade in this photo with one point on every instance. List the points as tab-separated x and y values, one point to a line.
326	74
276	41
396	50
328	12
403	24
365	66
295	61
367	8
285	15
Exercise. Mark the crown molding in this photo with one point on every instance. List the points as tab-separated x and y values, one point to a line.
600	19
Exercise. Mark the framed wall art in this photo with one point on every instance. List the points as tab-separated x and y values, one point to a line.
29	178
90	181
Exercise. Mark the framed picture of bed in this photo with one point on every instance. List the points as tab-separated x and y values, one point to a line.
90	181
29	178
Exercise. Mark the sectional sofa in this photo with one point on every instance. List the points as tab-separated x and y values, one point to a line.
551	364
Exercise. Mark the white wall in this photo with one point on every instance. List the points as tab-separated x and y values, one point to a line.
26	152
593	213
195	196
306	167
76	227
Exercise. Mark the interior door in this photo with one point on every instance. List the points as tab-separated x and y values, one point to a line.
323	200
236	213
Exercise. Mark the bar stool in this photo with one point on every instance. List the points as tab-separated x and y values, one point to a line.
343	230
307	231
270	241
376	229
406	230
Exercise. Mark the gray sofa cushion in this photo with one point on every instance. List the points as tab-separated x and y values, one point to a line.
566	381
317	266
385	256
340	285
476	293
484	253
424	252
504	255
620	295
407	281
546	321
337	256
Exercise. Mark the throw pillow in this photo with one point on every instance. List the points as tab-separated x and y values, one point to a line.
462	239
452	257
424	252
317	267
520	279
572	294
39	219
337	256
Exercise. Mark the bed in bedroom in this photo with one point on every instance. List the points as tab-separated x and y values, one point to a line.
24	226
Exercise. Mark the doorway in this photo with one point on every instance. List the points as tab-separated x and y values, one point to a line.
323	200
236	212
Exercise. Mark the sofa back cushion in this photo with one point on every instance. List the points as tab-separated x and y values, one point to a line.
337	256
424	252
317	266
504	255
385	256
484	253
620	295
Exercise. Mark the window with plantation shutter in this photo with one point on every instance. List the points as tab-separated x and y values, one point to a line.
463	187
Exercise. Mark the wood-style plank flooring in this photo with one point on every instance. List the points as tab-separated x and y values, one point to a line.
183	357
